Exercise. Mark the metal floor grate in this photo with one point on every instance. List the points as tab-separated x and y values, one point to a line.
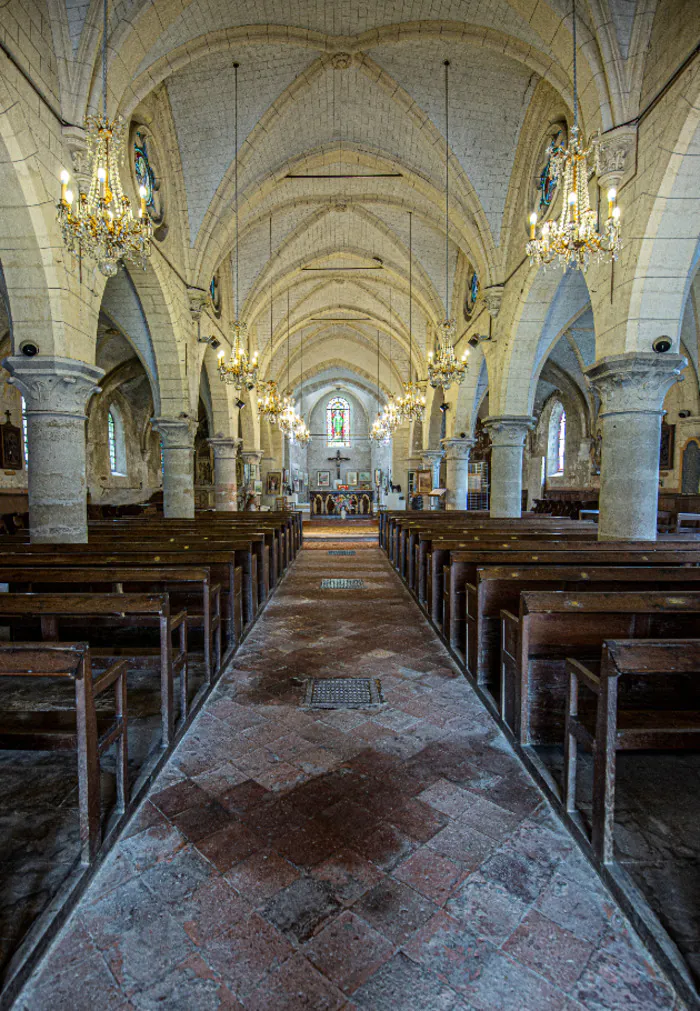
337	551
342	693
342	584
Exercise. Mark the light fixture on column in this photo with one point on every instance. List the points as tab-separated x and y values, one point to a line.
574	236
269	402
100	223
380	430
411	405
240	370
443	367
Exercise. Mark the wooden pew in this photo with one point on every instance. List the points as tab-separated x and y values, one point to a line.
498	588
188	588
18	610
647	696
80	730
554	626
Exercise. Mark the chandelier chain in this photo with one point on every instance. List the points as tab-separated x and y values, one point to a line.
447	188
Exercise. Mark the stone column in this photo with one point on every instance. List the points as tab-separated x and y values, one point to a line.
507	434
632	388
56	392
225	483
177	438
457	465
431	460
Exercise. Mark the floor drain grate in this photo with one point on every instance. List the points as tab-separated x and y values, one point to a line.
342	693
342	584
339	552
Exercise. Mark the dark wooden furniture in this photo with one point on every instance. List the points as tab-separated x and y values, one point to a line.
80	730
647	696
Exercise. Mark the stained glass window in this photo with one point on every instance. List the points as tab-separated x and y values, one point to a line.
561	444
472	295
24	432
112	443
548	176
338	422
115	438
146	177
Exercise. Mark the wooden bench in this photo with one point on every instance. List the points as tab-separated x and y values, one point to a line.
50	611
498	588
632	712
554	626
80	730
188	588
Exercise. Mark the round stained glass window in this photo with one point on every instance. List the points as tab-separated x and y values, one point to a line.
471	296
146	175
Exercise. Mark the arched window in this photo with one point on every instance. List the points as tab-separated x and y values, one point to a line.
338	422
556	454
25	443
117	448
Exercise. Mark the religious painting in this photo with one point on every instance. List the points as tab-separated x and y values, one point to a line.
424	482
274	479
323	479
364	476
11	445
258	487
377	476
668	433
351	478
338	422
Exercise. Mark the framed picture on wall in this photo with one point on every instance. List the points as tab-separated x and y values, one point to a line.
351	478
668	433
424	483
274	479
364	476
323	479
11	447
257	486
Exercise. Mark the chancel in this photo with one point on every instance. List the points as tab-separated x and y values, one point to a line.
350	505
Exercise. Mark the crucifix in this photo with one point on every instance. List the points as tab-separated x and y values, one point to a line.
337	460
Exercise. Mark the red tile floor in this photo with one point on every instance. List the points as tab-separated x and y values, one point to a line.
383	860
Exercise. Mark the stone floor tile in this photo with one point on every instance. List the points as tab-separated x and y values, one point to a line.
394	909
431	874
295	986
261	876
231	844
81	987
348	951
507	985
171	880
447	797
160	842
209	910
192	984
464	845
549	950
244	954
402	983
348	874
300	909
489	909
609	984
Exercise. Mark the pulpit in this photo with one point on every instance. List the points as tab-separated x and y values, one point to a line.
331	503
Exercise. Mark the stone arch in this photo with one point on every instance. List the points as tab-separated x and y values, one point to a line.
670	249
465	405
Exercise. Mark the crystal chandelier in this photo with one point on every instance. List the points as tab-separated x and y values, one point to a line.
443	367
239	371
269	400
289	422
380	431
101	224
411	406
574	237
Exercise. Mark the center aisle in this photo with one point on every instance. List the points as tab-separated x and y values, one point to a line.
390	859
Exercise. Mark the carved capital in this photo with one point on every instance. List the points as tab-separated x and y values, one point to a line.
614	148
53	385
431	456
75	140
458	449
636	382
225	448
509	429
175	433
493	296
199	301
253	456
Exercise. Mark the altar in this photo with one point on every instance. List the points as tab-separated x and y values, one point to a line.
330	503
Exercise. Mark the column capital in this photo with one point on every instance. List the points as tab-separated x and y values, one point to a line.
458	449
54	385
175	433
252	455
614	147
509	429
636	382
225	447
493	296
433	454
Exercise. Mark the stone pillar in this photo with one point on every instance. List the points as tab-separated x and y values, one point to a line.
457	465
432	459
177	438
225	483
632	388
56	392
507	434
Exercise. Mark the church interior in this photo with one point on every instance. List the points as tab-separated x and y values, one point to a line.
350	505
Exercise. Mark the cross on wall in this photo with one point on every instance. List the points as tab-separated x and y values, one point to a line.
337	460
